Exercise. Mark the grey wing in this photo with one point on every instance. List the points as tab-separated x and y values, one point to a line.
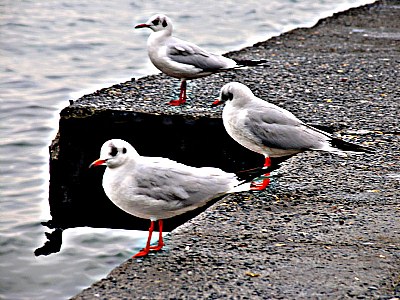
276	128
191	54
187	185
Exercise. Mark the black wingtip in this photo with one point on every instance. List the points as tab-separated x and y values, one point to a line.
251	62
347	146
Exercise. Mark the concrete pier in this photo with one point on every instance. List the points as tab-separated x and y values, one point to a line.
327	228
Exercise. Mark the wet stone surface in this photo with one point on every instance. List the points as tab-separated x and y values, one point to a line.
328	227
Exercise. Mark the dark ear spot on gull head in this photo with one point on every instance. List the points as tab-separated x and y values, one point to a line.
164	23
226	96
114	151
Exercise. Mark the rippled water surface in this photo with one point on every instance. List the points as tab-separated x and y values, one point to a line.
52	51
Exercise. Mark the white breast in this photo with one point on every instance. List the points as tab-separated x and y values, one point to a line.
157	51
234	121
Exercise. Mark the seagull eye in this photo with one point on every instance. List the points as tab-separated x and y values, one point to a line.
114	151
156	22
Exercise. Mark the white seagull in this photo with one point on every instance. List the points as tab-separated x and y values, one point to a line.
270	130
181	59
158	188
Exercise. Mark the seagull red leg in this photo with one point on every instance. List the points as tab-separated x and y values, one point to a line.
146	249
182	95
160	237
262	184
267	162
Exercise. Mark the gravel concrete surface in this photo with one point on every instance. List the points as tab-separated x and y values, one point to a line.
328	227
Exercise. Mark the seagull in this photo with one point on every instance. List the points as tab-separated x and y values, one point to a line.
158	188
270	130
184	60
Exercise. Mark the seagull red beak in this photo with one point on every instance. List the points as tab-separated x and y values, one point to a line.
98	162
216	103
144	25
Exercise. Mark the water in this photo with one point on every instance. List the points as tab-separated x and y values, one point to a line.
52	51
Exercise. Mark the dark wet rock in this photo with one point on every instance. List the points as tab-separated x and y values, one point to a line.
328	227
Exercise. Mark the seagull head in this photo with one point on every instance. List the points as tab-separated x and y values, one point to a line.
115	153
158	22
233	91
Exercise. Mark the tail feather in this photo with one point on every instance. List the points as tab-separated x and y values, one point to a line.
349	147
339	146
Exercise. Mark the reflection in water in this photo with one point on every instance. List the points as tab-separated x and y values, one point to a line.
53	243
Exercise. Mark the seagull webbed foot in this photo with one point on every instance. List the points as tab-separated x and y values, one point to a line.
177	102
